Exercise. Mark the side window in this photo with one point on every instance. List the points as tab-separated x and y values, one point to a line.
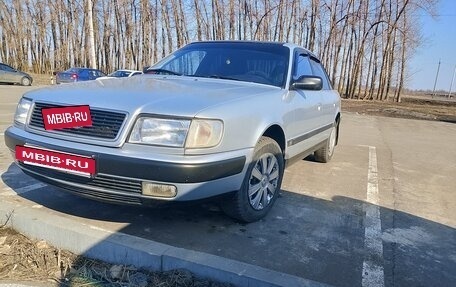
302	67
319	71
7	68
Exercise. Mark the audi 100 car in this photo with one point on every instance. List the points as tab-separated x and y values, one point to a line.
219	118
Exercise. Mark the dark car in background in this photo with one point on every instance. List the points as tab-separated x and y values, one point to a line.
78	74
10	75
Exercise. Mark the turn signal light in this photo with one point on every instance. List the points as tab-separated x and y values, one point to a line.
158	190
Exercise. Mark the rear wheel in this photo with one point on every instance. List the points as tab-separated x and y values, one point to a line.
261	184
325	153
25	81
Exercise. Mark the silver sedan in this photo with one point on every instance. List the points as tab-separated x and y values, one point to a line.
212	119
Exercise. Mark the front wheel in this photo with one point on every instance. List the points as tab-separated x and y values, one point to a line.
25	81
261	184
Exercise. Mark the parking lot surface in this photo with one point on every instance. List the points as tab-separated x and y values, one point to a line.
381	213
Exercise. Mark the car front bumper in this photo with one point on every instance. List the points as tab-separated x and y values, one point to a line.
120	172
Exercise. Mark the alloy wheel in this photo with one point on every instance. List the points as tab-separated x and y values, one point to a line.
263	181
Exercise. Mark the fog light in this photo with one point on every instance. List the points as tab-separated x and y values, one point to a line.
159	190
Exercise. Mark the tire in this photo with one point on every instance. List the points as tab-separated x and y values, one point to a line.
26	81
325	153
263	178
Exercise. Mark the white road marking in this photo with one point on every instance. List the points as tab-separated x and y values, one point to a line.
373	274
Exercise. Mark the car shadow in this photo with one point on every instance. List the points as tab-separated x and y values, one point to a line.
303	235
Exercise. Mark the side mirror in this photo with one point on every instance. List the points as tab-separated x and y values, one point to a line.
308	83
145	69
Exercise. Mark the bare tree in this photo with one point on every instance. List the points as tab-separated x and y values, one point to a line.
364	44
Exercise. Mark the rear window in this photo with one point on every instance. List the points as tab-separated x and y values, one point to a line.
72	70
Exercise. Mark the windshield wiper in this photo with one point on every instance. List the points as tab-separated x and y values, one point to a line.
163	71
216	77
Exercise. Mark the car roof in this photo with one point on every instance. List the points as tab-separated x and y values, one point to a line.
291	46
241	42
82	68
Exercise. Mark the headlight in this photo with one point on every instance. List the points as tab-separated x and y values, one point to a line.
166	132
204	133
22	110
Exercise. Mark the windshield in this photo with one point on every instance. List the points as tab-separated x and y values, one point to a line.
264	63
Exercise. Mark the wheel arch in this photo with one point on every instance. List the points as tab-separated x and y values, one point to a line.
276	133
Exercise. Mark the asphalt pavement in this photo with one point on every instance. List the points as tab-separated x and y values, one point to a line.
381	213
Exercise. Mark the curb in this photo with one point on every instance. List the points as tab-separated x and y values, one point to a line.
119	248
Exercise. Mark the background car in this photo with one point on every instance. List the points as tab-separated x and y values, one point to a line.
78	74
123	74
10	75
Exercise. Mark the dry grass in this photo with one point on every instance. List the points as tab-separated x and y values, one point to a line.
40	79
25	260
410	108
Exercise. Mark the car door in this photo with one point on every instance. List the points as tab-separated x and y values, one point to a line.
9	74
329	98
307	110
84	75
92	74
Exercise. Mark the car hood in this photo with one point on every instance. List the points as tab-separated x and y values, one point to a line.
165	95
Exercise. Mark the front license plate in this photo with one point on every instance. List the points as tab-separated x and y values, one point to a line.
66	117
69	163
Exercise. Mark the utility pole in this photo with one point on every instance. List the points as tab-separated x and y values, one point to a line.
452	80
435	82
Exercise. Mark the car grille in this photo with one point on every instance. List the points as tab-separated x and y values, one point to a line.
100	195
101	182
105	124
102	187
